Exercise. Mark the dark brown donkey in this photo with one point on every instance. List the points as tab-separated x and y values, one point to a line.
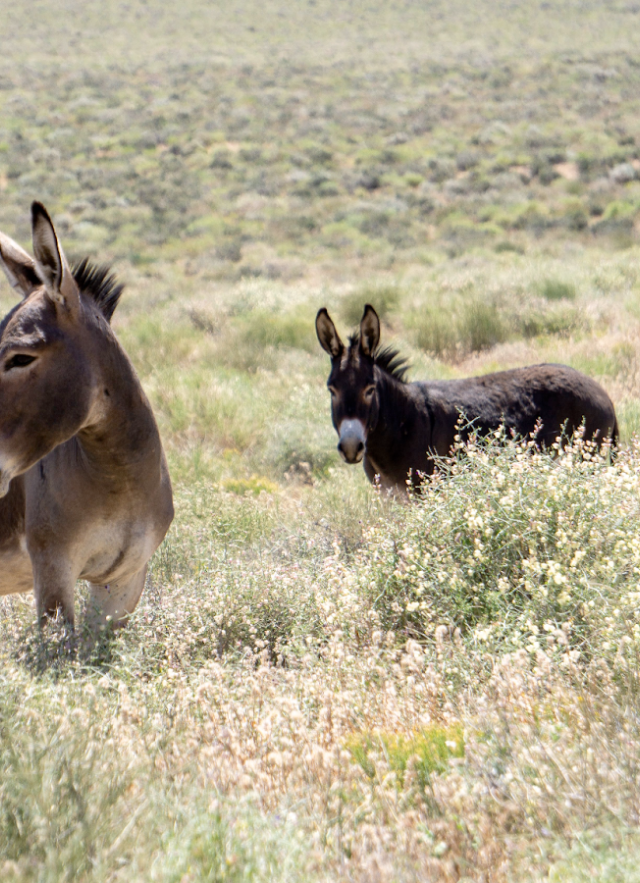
399	429
84	486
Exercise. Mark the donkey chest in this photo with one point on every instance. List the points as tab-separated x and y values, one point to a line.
393	453
101	529
111	551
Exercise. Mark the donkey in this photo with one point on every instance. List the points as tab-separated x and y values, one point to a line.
84	485
401	429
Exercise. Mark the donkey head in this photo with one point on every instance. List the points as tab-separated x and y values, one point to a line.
352	382
45	373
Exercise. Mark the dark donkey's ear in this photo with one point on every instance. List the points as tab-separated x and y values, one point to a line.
369	331
327	334
19	267
51	263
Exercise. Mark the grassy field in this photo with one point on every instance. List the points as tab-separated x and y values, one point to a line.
321	684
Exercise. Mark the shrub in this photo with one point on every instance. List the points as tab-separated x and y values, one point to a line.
384	298
426	751
262	329
480	326
555	289
435	331
504	246
256	484
464	327
515	540
575	216
561	320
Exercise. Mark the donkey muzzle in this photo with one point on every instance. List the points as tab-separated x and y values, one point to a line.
352	439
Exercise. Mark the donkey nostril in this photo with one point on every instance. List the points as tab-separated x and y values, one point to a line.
351	449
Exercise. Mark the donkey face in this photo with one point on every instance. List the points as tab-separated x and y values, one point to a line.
352	382
44	374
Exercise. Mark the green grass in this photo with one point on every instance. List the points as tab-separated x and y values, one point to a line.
425	752
554	289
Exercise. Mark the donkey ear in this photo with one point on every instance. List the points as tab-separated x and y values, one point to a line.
19	267
369	331
51	263
327	334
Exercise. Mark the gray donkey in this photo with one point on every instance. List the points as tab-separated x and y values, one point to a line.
84	486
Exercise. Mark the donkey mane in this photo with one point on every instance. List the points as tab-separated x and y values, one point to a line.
99	283
390	361
387	359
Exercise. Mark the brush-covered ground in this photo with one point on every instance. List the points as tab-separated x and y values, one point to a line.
321	684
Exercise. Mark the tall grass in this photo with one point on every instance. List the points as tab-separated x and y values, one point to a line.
296	698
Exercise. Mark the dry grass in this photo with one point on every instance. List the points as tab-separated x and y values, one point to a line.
448	694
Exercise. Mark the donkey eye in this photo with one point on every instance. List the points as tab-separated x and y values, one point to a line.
333	391
20	360
369	391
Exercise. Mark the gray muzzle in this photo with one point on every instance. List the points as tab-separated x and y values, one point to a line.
352	439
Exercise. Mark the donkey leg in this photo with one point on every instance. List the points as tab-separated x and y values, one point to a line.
54	589
116	601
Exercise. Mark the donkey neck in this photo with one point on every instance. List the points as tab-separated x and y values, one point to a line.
120	432
399	443
397	414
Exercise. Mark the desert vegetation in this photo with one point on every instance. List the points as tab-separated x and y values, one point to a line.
321	683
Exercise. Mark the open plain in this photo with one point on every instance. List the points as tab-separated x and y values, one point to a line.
321	684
